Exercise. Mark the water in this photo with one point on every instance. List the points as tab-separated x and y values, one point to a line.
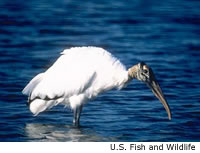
164	34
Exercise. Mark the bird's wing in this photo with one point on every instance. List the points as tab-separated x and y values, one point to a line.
32	84
64	79
79	69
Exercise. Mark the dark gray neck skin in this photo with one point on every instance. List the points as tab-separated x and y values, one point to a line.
132	72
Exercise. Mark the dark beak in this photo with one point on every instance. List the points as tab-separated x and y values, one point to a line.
154	86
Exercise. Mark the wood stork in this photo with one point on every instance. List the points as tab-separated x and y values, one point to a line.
80	74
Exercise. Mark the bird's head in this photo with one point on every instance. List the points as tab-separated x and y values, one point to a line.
144	73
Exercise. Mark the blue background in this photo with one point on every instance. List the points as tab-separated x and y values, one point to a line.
164	34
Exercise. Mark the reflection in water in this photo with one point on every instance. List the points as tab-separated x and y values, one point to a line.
44	132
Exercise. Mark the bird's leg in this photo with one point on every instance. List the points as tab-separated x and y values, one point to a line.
77	113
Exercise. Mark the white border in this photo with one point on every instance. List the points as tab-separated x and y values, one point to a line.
92	147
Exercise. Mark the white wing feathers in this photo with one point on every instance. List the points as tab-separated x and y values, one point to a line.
32	84
79	73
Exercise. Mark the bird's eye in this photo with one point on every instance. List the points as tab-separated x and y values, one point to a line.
145	71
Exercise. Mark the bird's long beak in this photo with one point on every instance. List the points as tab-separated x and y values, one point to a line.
154	86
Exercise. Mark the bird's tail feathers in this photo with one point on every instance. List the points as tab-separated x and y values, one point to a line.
39	105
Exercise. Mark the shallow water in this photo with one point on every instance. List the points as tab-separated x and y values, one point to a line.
164	34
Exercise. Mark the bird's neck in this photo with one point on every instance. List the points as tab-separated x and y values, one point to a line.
132	72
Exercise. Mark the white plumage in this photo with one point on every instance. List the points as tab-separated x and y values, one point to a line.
78	75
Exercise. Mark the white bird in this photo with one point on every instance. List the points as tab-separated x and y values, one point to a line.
80	74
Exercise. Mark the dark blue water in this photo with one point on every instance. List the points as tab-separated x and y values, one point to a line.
164	34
